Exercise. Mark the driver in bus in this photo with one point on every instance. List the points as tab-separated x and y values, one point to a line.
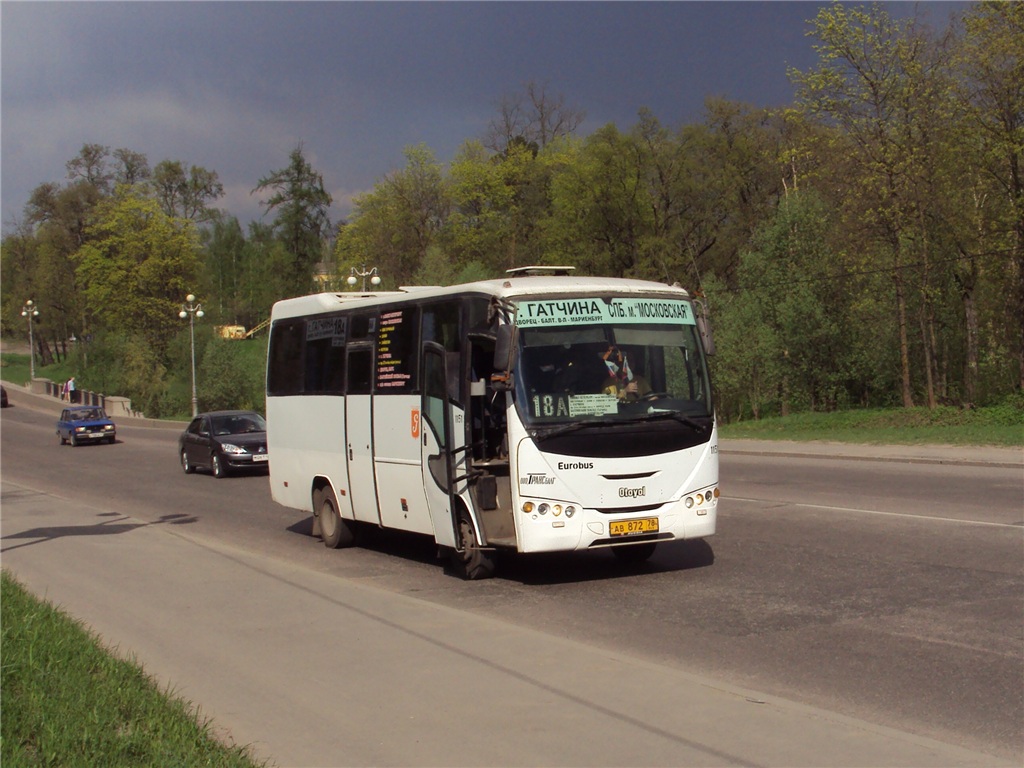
623	381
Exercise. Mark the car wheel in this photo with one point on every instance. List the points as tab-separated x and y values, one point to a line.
74	441
335	530
217	466
186	465
62	440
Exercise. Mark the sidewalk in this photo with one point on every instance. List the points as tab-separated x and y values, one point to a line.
316	670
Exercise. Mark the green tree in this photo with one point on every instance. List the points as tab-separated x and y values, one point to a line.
225	251
186	195
394	225
227	379
56	219
533	118
499	202
137	266
476	228
92	165
266	274
988	68
873	82
733	183
602	205
793	277
298	196
746	368
17	256
131	167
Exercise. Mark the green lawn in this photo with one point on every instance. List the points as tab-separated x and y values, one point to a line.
1001	425
68	702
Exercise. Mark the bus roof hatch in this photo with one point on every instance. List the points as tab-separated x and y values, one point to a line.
539	270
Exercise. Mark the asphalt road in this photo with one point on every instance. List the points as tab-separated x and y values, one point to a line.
886	591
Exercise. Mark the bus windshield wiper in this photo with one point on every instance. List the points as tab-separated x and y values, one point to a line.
561	429
675	416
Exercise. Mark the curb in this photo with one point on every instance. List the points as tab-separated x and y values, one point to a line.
958	455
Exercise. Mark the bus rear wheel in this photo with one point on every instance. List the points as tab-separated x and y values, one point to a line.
471	563
335	530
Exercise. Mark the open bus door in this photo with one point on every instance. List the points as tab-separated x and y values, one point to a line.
435	445
454	527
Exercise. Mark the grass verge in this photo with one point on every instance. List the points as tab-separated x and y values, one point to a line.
1001	425
67	701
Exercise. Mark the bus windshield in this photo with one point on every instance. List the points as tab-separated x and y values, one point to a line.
571	369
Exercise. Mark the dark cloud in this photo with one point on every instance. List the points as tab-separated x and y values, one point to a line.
234	86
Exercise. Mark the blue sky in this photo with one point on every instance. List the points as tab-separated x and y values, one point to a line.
235	86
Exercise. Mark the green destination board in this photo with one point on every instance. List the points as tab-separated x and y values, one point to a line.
618	311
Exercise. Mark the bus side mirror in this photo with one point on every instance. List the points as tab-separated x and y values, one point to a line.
504	357
704	328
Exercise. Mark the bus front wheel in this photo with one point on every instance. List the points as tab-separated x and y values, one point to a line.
634	554
471	563
335	530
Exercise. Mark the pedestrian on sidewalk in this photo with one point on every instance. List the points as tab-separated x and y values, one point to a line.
72	391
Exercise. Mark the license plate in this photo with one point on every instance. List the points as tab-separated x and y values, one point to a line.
261	457
633	527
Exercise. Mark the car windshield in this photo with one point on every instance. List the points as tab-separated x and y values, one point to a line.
238	424
87	414
576	371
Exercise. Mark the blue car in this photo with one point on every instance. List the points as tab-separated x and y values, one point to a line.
85	424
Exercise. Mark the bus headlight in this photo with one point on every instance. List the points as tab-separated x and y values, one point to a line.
710	496
544	507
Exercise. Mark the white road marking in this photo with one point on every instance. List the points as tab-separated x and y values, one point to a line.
1018	526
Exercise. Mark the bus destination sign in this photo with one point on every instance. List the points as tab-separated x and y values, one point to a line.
593	311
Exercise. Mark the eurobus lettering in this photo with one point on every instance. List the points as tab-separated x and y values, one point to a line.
536	413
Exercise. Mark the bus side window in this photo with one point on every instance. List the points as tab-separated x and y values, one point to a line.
361	326
441	324
434	394
284	369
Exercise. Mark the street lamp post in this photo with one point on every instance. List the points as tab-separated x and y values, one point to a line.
191	310
31	312
354	273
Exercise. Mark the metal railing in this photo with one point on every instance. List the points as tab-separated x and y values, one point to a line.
79	396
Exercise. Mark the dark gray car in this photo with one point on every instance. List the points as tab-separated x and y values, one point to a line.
223	441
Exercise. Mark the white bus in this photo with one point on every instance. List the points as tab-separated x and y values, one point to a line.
538	413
